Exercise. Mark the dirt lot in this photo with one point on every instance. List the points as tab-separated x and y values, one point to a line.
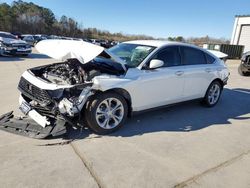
185	145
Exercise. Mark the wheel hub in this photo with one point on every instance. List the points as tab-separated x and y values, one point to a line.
214	94
109	113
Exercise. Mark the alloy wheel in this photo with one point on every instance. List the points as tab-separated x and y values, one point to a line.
109	113
214	94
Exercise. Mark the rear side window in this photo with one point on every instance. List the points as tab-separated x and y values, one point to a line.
209	58
170	56
192	56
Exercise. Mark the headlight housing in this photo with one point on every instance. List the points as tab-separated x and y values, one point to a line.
3	45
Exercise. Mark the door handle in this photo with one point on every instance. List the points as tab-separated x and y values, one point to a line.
208	70
179	73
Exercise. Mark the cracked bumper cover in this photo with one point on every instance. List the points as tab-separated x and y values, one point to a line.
38	118
29	128
38	126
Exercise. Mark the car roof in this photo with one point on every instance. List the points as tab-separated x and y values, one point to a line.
162	43
5	32
154	43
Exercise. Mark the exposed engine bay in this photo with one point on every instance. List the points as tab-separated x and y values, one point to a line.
73	72
64	73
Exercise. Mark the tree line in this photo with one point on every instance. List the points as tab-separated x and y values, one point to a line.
29	18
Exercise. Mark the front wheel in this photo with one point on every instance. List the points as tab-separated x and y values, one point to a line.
213	94
106	112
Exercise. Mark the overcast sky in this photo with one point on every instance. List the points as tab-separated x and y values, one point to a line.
158	18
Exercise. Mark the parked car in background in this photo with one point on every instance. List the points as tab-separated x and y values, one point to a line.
53	37
40	37
87	40
105	43
96	41
29	39
17	34
244	68
10	45
102	87
113	43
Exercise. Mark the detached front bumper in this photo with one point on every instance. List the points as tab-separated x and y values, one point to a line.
38	126
27	110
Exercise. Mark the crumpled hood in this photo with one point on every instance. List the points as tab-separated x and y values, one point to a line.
12	41
68	49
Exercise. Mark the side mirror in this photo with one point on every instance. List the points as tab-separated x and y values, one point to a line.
155	63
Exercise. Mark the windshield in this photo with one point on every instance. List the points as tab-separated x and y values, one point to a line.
6	35
132	54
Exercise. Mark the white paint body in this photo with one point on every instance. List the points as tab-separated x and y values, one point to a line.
157	87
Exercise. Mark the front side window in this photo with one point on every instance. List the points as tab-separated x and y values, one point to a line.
132	54
170	56
192	56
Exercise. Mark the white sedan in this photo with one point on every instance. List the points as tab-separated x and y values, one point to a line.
103	87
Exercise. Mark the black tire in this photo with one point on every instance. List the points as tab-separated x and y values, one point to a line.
206	99
242	73
91	112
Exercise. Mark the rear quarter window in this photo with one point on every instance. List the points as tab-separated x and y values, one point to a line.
210	59
192	56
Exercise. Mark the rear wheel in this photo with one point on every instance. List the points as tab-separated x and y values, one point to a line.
213	94
106	112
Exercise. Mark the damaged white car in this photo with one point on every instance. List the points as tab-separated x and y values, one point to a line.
101	88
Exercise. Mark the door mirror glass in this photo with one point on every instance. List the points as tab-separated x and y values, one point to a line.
155	63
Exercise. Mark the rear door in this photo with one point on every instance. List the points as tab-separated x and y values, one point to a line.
198	72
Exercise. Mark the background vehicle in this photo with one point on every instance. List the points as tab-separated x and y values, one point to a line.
29	39
10	45
103	86
96	41
40	37
244	68
17	34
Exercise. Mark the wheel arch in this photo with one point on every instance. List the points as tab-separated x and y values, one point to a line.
218	80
